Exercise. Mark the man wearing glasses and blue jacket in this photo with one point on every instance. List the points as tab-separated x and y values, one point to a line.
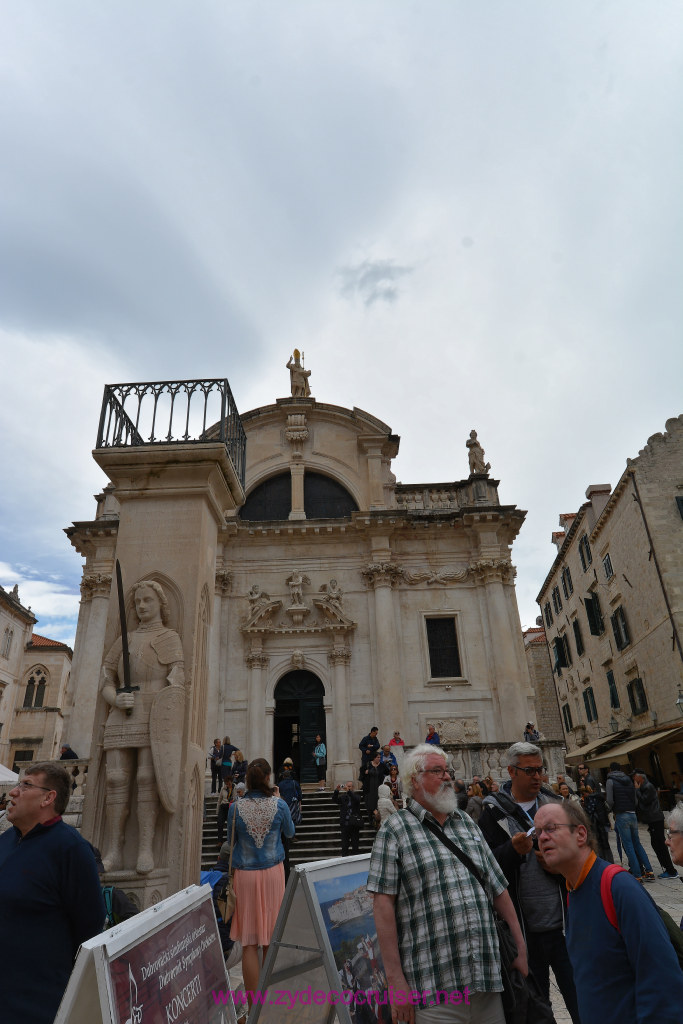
507	823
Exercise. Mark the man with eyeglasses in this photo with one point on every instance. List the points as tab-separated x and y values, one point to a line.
626	971
434	921
50	896
537	894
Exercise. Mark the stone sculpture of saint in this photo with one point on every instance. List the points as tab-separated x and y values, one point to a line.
296	582
156	661
476	455
298	377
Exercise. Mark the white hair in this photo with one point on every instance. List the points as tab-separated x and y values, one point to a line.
676	817
414	762
518	750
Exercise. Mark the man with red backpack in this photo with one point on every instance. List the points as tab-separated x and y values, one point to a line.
625	966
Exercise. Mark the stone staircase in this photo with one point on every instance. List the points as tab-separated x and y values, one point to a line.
317	837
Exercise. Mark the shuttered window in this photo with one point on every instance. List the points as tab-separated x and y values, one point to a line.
442	640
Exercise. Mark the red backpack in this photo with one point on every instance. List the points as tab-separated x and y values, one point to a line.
674	932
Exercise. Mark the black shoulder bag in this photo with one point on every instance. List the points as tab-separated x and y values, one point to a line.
523	1002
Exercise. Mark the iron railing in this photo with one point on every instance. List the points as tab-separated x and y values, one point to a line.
172	412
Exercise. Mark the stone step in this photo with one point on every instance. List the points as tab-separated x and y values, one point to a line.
318	836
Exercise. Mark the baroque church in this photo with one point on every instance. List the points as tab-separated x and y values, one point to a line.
314	594
344	600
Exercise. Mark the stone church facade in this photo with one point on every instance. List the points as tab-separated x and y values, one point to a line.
344	600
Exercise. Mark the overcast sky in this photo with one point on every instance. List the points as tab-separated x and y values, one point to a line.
466	214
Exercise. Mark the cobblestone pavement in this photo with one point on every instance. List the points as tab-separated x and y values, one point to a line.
667	892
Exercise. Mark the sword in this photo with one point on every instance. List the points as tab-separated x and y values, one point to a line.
126	688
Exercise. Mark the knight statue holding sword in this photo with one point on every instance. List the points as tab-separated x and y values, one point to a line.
143	681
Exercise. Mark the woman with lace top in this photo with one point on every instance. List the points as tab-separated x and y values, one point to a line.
258	855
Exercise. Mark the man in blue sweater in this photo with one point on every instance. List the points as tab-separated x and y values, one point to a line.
49	894
624	973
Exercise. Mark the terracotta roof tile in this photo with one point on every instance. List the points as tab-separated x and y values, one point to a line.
42	641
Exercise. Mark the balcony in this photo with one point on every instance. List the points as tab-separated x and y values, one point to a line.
173	413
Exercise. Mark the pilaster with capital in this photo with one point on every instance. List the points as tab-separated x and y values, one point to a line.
258	663
89	649
218	652
506	662
298	509
339	658
383	576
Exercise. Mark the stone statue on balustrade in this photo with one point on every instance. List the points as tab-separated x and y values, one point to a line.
476	455
298	377
142	734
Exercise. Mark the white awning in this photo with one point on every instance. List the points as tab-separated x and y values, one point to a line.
7	775
577	756
621	752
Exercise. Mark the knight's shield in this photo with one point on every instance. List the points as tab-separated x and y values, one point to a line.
166	736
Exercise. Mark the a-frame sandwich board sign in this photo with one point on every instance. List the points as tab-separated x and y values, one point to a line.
324	956
164	964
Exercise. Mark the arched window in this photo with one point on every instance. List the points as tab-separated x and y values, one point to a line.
7	642
35	688
324	498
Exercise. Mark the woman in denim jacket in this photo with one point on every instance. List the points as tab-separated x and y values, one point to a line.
258	855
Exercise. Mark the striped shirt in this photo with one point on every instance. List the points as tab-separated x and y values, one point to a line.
446	932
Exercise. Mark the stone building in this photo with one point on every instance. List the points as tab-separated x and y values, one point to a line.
612	606
34	677
543	683
340	599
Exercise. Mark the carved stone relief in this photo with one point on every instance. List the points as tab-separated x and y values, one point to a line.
95	585
261	608
382	574
223	581
458	730
297	610
297	659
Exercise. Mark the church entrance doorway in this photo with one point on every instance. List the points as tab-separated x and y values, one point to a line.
299	718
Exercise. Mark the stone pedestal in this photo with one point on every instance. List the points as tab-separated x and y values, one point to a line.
173	498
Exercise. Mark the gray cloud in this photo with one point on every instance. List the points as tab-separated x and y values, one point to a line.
372	280
180	187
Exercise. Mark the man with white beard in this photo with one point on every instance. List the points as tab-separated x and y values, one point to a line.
434	921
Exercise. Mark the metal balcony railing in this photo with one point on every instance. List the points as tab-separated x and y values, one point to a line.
172	412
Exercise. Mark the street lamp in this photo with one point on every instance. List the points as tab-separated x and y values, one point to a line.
679	700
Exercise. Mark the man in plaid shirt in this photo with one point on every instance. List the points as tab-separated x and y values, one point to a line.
434	921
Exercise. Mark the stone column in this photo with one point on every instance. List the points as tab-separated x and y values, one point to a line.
96	589
218	658
383	577
509	682
298	510
256	701
344	768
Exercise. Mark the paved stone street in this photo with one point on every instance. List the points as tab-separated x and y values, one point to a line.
667	892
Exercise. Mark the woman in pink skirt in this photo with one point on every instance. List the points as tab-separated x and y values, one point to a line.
259	877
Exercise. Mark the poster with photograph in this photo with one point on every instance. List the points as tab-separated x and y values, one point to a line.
323	963
347	912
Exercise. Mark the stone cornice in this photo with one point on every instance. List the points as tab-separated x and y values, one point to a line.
84	536
269	629
16	608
